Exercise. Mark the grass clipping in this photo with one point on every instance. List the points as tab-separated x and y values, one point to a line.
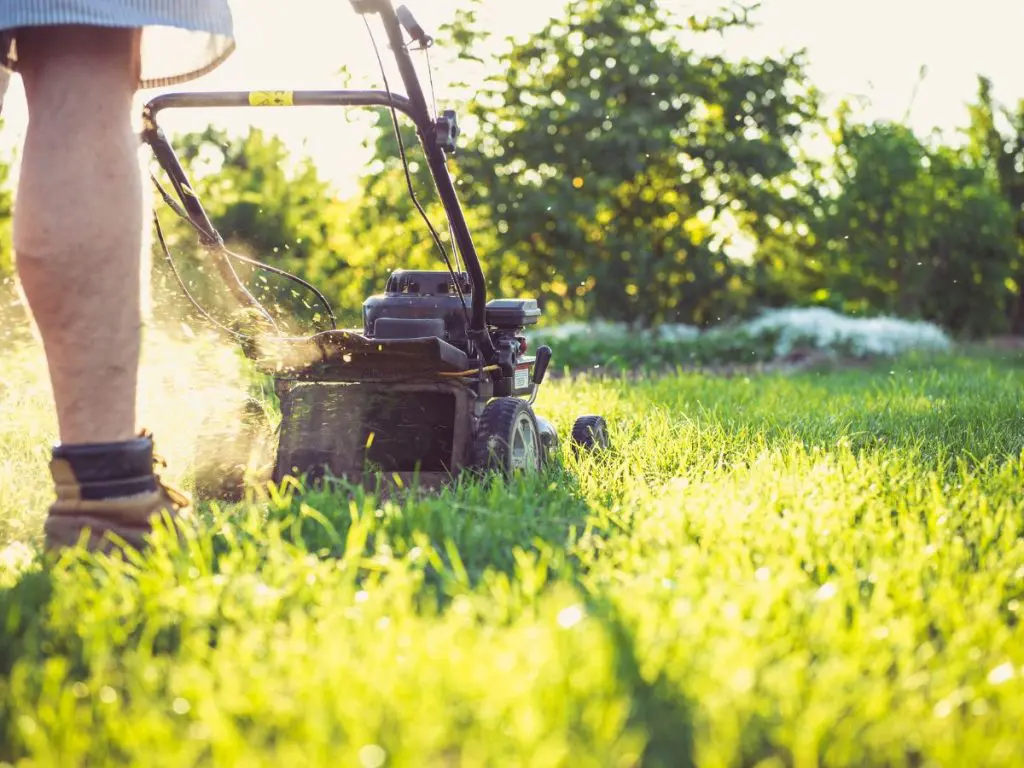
191	387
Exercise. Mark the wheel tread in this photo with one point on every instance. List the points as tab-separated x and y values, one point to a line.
585	433
497	415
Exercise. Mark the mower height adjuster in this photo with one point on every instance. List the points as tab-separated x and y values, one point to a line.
446	131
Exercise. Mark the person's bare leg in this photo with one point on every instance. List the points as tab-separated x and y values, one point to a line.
78	239
78	228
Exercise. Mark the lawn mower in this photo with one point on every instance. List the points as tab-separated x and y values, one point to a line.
438	380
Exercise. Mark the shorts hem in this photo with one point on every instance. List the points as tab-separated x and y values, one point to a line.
220	34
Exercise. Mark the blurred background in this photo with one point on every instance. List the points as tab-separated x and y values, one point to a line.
629	161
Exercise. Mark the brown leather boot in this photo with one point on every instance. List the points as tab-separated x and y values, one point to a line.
108	489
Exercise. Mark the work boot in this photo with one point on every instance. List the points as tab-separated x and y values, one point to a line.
108	488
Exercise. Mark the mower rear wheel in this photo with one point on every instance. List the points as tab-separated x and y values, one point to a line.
508	439
548	439
590	433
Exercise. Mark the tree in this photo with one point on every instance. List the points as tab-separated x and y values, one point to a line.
611	170
996	142
916	231
621	168
606	168
266	207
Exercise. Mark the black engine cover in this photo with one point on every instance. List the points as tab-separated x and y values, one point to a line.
417	304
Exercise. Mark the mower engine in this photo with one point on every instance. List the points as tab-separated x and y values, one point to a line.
393	411
428	304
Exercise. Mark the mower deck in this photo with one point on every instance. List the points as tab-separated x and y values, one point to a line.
346	355
420	433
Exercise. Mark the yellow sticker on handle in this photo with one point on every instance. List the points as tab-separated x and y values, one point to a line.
271	99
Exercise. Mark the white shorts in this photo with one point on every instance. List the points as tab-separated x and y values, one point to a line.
181	39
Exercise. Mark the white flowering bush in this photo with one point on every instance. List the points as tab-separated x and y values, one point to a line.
774	335
824	329
599	329
678	332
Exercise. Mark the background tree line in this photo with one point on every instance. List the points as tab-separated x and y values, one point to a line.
615	172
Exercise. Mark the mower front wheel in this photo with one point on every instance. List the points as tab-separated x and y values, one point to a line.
508	439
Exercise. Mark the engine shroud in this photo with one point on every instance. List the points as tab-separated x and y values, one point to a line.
420	304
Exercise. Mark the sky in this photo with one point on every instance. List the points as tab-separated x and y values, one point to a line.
874	48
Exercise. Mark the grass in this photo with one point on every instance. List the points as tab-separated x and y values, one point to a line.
814	569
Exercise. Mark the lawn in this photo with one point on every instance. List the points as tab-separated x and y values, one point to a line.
814	568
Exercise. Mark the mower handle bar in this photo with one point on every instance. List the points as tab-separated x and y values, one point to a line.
413	105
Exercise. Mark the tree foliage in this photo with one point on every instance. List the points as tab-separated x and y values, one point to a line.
996	142
267	207
916	231
614	167
622	169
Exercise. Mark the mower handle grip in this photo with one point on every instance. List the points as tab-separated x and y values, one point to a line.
371	6
402	13
407	20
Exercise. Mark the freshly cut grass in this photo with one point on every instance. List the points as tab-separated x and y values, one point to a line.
815	569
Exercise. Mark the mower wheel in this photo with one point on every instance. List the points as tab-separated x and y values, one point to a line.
507	439
590	433
548	439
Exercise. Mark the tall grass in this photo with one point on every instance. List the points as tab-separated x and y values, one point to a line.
813	569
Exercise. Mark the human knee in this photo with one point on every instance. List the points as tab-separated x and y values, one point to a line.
78	67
